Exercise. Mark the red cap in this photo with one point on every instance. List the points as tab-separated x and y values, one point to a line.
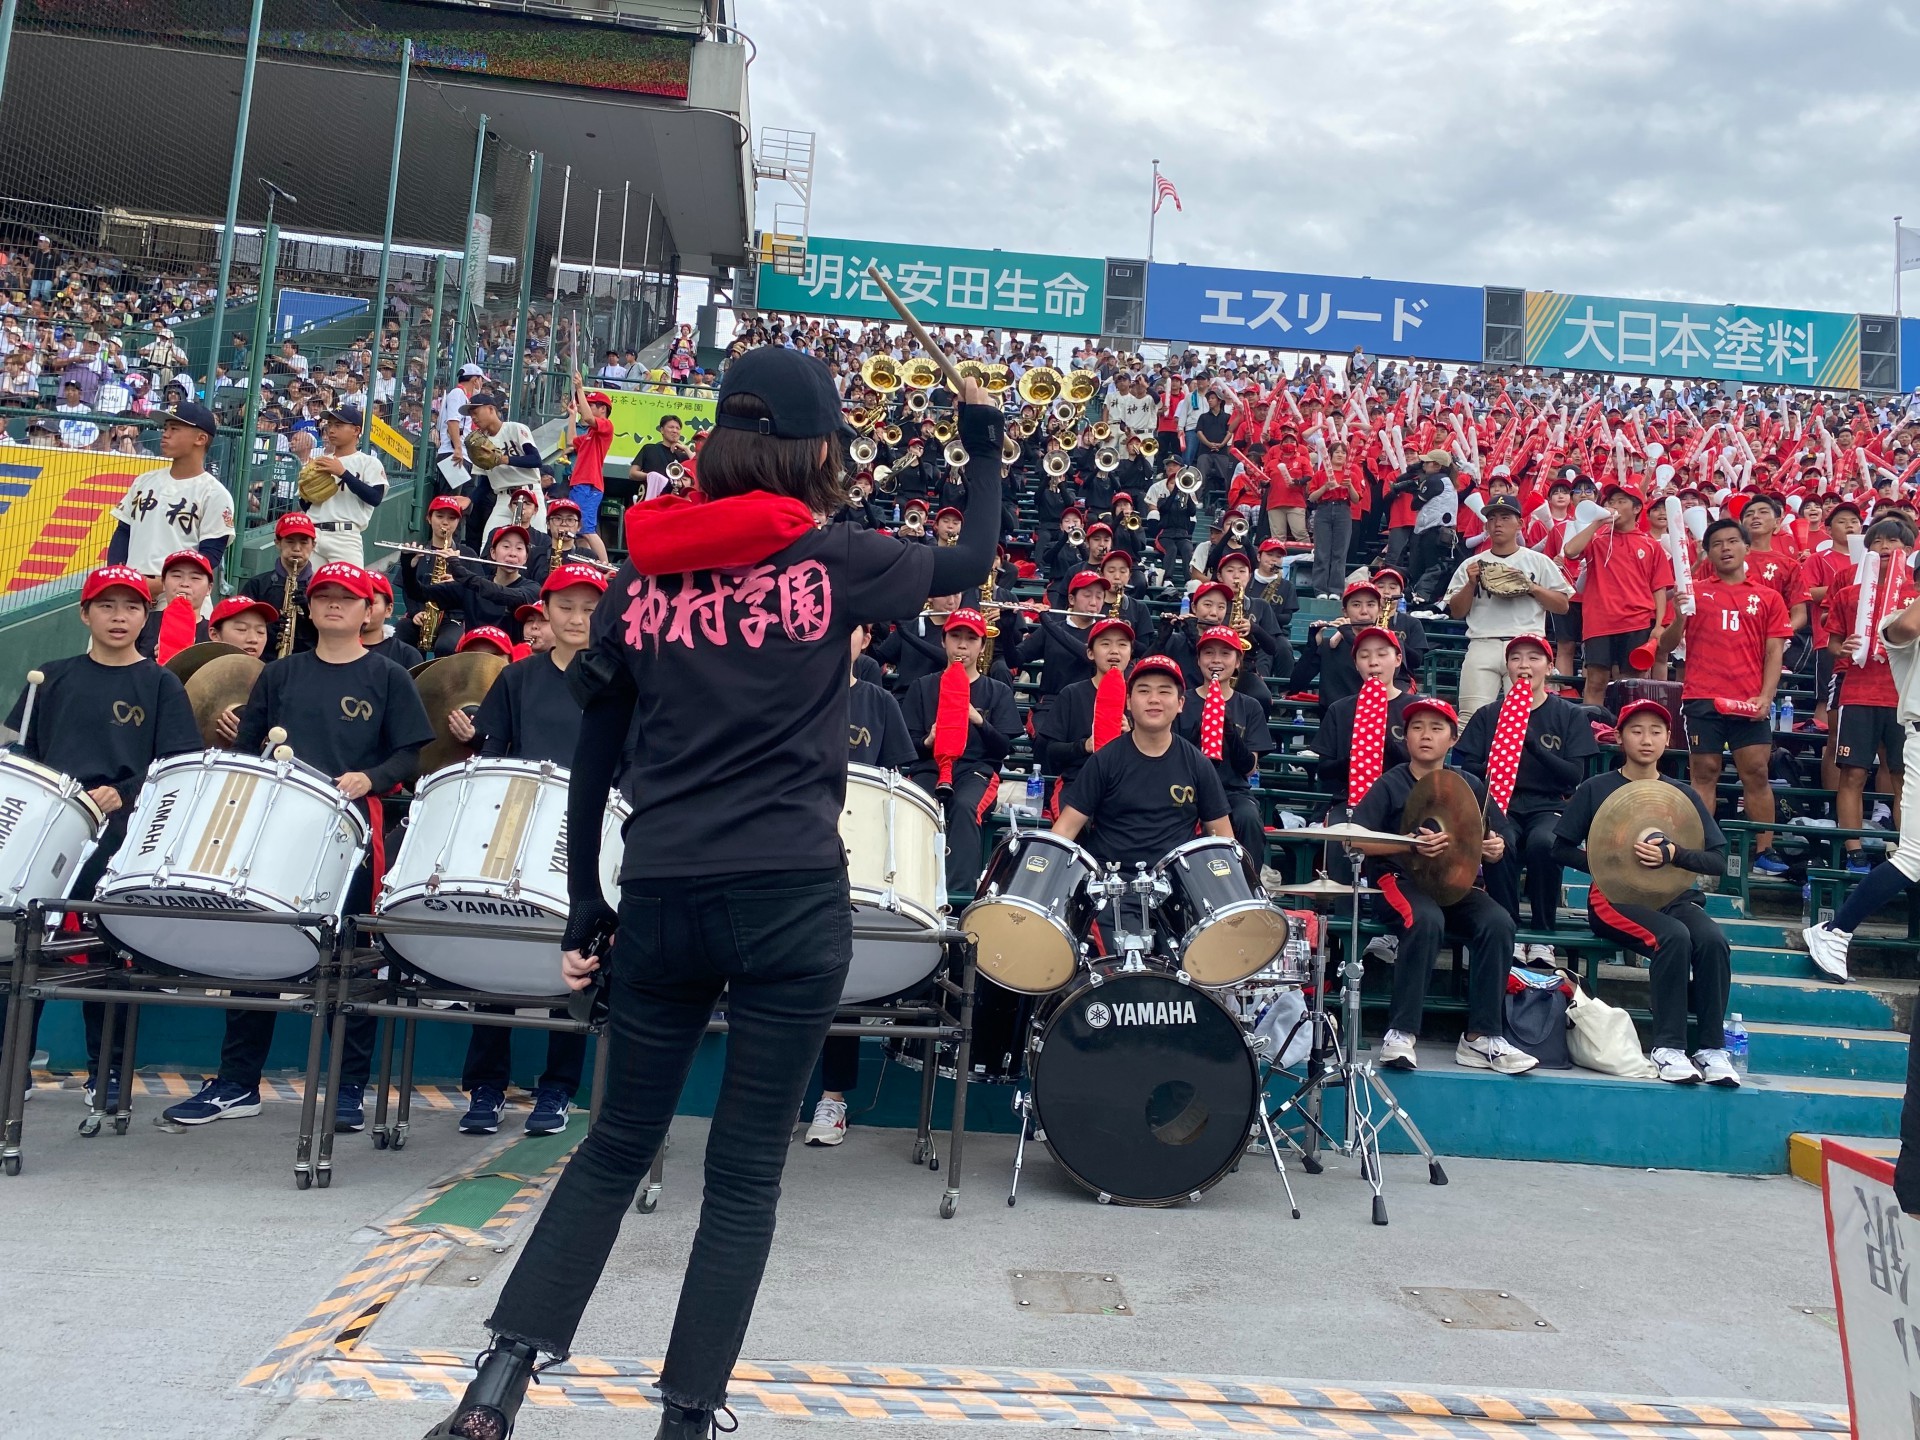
486	635
599	397
1223	635
1100	527
1156	665
108	576
1428	705
1117	554
439	502
919	505
1106	623
526	535
520	490
239	605
347	576
527	612
1232	555
381	585
1120	495
953	510
187	557
968	620
1377	632
564	577
1539	640
1084	579
562	507
1389	570
296	522
1211	587
1614	488
1267	547
1638	707
1360	587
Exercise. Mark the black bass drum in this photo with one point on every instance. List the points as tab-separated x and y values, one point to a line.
1144	1086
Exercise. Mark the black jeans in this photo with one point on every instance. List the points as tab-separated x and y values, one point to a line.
1534	854
490	1056
779	943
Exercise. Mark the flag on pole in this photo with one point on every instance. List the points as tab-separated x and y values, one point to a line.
1163	190
1909	247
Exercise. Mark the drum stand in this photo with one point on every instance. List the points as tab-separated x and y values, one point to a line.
1334	1063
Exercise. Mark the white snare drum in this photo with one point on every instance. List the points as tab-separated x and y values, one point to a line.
48	826
486	843
225	831
896	868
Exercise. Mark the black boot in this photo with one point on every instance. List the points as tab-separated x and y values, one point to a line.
679	1424
487	1410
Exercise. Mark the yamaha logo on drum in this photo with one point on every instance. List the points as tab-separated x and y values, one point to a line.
157	826
518	909
1038	864
1220	868
1100	1014
12	809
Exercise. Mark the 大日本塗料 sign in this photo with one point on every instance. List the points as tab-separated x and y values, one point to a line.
1676	338
976	289
1278	310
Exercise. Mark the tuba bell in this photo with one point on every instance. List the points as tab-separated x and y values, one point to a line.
1040	385
1106	459
919	373
956	455
880	374
1081	387
1057	463
1188	481
998	379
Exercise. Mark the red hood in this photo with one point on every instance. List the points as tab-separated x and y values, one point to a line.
674	534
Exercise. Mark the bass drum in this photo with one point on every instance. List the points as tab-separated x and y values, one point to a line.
896	845
1145	1087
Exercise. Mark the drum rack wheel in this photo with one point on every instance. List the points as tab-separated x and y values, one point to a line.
11	1164
379	1139
120	1123
302	1180
89	1125
949	1203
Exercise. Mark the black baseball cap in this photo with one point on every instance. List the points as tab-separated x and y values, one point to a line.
796	389
480	398
1500	504
192	413
344	414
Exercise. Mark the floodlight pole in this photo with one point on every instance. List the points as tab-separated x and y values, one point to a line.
233	184
386	234
524	314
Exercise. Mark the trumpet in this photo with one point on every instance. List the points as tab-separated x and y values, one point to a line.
879	373
1057	463
889	434
1010	450
919	373
1040	385
1106	459
676	473
1236	533
863	451
1026	428
917	402
1188	481
956	455
1074	535
857	494
1131	521
1149	448
915	523
944	432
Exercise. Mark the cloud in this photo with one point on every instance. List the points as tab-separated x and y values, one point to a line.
1750	152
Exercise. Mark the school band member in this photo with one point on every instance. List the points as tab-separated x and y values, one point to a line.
245	624
536	634
377	634
184	573
1376	656
1065	732
1257	625
1553	761
1396	617
1330	651
416	574
566	540
1116	568
1271	587
482	594
1420	923
357	718
737	814
1243	730
1058	643
102	717
1690	954
293	544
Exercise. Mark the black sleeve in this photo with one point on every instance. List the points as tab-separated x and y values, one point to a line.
1476	740
1084	792
1209	795
1003	725
1570	835
1371	812
967	563
896	746
1560	772
400	768
913	710
493	724
596	761
253	715
1497	822
119	546
215	550
360	490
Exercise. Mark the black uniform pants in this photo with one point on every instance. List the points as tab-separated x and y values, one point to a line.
93	1013
1244	811
1179	552
1476	919
1534	854
490	1056
967	808
1692	963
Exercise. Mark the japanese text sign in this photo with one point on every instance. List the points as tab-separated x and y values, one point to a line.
976	289
1873	1248
1274	310
1745	343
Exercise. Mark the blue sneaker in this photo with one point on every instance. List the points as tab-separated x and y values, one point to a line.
1858	864
217	1100
1767	863
113	1092
550	1109
484	1105
349	1113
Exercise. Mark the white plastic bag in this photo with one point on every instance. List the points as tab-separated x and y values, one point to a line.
1601	1037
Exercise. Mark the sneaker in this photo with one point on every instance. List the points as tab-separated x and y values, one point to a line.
1858	864
1385	948
1767	863
484	1105
1396	1051
1519	953
1827	948
1540	955
113	1092
829	1125
217	1100
349	1112
550	1110
1717	1066
1675	1068
1492	1052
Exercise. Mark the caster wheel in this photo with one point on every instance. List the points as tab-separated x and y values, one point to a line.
11	1164
326	1179
90	1126
399	1141
379	1139
648	1202
120	1124
302	1180
919	1152
933	1162
947	1206
1435	1175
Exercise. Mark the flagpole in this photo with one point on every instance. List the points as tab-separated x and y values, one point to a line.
1153	209
1896	266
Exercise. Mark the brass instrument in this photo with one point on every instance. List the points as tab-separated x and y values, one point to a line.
956	455
919	373
1026	428
917	402
944	431
990	609
972	370
864	451
562	547
428	621
317	486
289	615
1237	530
1057	463
889	434
1081	387
856	494
1074	534
484	451
1271	590
676	473
1062	411
880	374
1100	432
1640	810
865	418
1150	448
915	523
1132	521
1188	481
997	380
883	480
1106	459
1115	600
1237	612
1040	385
1010	449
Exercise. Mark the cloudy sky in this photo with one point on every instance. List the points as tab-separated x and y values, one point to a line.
1750	152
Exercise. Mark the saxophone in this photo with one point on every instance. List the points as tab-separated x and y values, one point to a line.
431	615
987	602
562	547
289	615
1237	612
1115	601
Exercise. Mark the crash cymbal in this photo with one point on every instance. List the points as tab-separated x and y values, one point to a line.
218	684
1444	801
1637	811
448	684
1347	833
193	657
1322	885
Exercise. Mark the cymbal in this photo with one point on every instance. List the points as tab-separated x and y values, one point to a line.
217	684
447	684
1347	833
187	661
1444	800
1321	885
1637	810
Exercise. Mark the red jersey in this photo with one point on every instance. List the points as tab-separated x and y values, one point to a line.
1623	570
1830	569
1776	569
1727	639
1284	464
590	454
1869	684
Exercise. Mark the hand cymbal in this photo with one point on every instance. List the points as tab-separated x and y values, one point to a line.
448	684
217	684
1444	801
1634	812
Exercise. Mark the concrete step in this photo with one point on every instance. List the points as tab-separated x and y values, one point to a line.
1721	907
1838	1052
1770	960
1804	1152
1790	1000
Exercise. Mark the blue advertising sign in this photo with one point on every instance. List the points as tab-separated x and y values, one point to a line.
1758	345
1277	310
299	310
1910	355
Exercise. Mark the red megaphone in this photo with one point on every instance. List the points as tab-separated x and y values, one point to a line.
1641	657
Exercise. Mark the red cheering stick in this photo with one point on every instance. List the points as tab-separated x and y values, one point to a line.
1213	722
176	629
1369	747
1509	738
1109	707
950	725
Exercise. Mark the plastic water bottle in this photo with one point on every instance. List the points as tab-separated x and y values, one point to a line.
1186	606
1773	717
1786	715
1400	605
1736	1044
1035	788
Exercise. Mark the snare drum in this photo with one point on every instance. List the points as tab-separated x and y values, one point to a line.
896	843
226	831
48	827
486	844
1223	932
1033	911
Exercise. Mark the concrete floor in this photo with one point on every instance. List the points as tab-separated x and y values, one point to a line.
144	1275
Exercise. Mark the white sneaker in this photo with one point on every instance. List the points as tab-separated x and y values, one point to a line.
1493	1052
1827	948
1675	1067
1396	1051
1717	1066
1540	955
1519	953
1385	948
829	1125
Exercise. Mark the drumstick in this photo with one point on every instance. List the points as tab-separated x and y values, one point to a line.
35	679
275	736
938	355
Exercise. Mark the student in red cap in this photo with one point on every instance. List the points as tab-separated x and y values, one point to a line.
1058	643
1376	656
566	540
481	594
946	525
1244	734
377	632
1066	732
103	717
591	411
1628	580
417	573
245	624
1329	658
184	572
285	585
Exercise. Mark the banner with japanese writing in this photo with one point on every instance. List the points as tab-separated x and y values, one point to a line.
1872	1244
973	289
1278	310
55	510
637	415
1748	343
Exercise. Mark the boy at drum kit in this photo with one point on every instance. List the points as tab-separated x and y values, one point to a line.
358	718
1242	731
103	717
529	713
1065	729
188	573
1421	922
993	723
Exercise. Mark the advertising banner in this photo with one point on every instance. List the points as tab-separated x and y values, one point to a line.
637	415
1910	355
54	510
1747	343
1279	310
974	289
1872	1244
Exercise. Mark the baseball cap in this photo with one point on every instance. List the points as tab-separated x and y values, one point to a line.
530	610
1106	623
796	389
1156	665
1539	640
482	398
953	510
1268	547
1360	587
526	535
1100	527
1117	554
441	502
344	415
192	414
1428	705
381	585
1223	635
1232	555
1213	587
599	397
1377	632
486	635
346	575
1084	579
1613	488
187	557
1437	457
968	620
564	577
557	507
472	372
1651	707
1386	570
1501	505
239	605
108	577
297	522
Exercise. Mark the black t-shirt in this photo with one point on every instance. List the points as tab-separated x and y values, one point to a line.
1059	647
271	586
149	640
1064	728
105	724
876	733
1384	804
1142	806
987	745
529	713
1553	761
740	687
393	648
362	715
1245	738
1333	741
